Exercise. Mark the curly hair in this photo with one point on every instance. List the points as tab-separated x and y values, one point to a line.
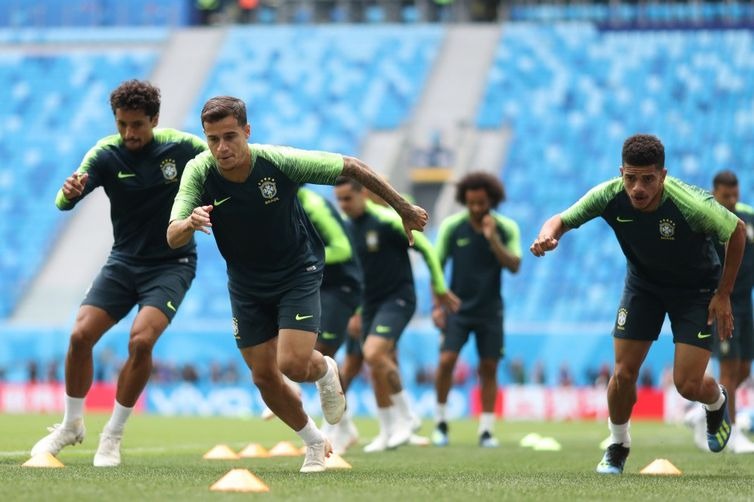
219	107
136	95
476	180
643	150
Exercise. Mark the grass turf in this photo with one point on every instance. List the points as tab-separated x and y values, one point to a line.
162	460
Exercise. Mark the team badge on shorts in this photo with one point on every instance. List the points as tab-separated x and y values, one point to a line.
235	328
169	170
667	229
622	316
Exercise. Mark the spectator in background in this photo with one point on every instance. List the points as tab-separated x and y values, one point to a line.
517	371
538	375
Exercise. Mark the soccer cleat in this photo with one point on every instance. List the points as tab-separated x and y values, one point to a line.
58	438
331	395
378	444
613	460
440	434
108	451
416	423
401	433
316	453
487	440
718	425
739	443
344	435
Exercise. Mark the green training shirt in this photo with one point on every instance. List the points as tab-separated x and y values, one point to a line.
341	263
141	186
382	246
745	277
672	246
259	225
476	273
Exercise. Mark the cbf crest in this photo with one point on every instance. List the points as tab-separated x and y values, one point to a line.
169	170
620	322
269	189
667	229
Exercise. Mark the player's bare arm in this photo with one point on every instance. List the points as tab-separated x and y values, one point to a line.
549	235
414	217
504	257
180	231
74	185
720	309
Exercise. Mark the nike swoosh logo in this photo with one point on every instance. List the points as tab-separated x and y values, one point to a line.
329	336
463	242
623	220
122	175
702	336
382	329
300	317
218	202
170	306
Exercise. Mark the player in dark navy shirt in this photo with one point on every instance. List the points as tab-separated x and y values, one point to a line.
139	169
667	231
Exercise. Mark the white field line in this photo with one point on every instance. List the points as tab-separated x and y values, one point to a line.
137	450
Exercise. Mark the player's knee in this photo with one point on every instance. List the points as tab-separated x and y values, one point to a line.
447	361
487	370
375	358
81	340
140	346
294	368
689	389
625	377
265	380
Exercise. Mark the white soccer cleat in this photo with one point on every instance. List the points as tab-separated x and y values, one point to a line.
401	433
108	451
59	437
344	435
417	440
700	435
378	444
316	453
739	443
331	395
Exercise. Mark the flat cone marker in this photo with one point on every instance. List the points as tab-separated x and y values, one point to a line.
661	467
547	444
530	440
221	452
285	449
254	450
302	450
239	480
43	460
606	442
335	461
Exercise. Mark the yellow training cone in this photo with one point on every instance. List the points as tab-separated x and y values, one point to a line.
547	444
43	460
239	480
335	461
221	452
661	467
285	449
530	440
254	450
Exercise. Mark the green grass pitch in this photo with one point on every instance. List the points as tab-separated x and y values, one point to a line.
162	460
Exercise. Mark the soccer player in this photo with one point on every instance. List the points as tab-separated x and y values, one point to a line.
247	195
389	303
139	168
735	355
666	230
481	243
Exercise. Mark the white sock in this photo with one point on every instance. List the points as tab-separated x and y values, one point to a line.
385	417
402	405
440	413
310	433
717	404
487	422
329	374
74	410
619	433
117	421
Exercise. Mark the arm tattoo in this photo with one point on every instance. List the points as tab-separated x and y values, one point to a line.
358	170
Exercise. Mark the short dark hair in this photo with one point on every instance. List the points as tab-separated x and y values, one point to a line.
643	150
219	107
136	95
478	179
345	180
726	178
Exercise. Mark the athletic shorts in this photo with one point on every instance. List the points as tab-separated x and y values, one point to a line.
338	305
488	333
642	311
120	285
257	320
741	346
354	347
389	317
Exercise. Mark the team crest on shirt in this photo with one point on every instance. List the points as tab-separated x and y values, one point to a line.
373	241
667	229
622	316
269	189
169	170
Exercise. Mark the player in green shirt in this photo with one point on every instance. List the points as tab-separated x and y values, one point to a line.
666	230
246	195
480	243
139	169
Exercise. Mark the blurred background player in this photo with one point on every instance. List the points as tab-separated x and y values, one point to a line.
389	303
665	229
139	168
734	355
480	243
247	195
